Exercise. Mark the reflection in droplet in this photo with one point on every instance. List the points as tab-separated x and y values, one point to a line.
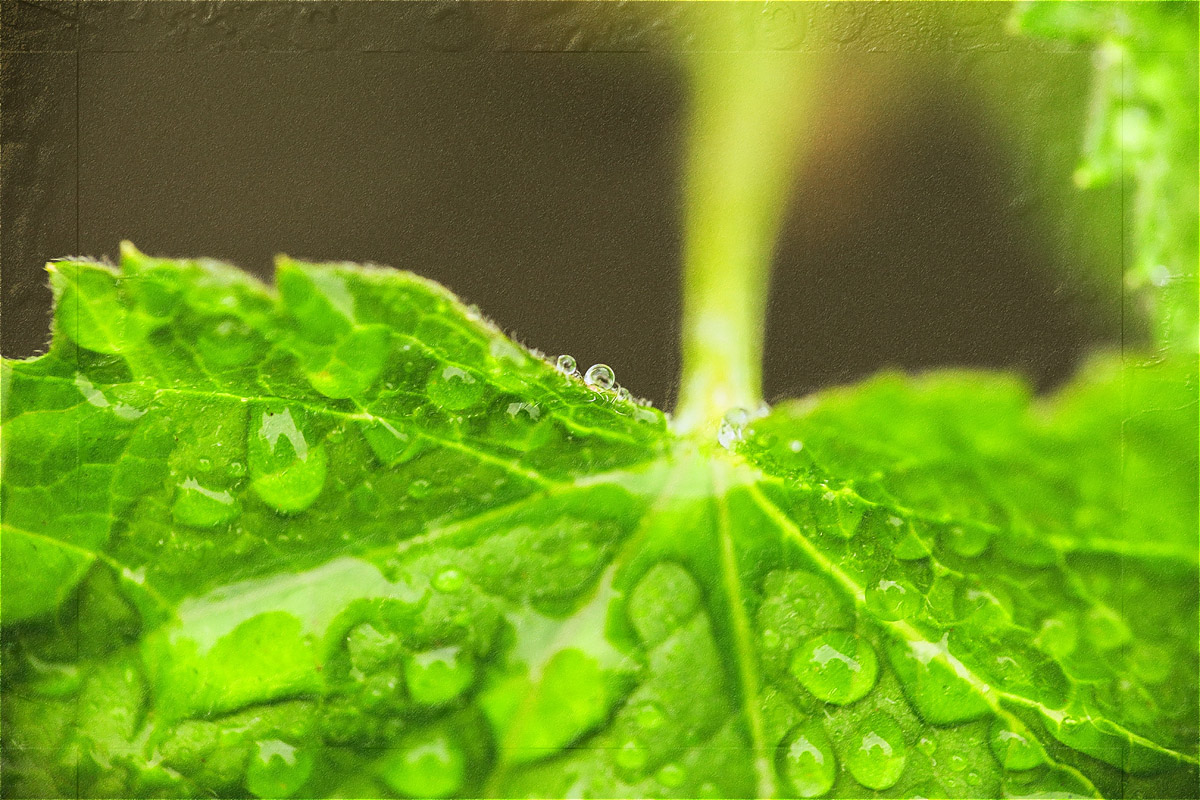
600	376
837	667
807	761
876	757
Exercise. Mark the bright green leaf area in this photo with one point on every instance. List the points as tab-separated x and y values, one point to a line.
344	538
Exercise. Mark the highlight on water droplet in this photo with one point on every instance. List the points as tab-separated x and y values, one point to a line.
453	388
436	677
806	760
631	756
892	600
600	376
836	666
877	753
566	364
277	769
429	763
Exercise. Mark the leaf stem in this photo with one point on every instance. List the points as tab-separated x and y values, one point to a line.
742	149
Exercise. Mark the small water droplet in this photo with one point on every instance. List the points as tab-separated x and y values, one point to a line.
733	427
807	761
1057	637
201	507
419	488
453	388
204	464
671	775
836	666
967	541
876	759
429	765
566	364
1105	628
1014	750
649	716
631	756
771	639
958	762
449	580
623	394
600	376
892	600
438	676
795	445
237	469
927	745
277	769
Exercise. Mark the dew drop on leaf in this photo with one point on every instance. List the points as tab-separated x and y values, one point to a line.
967	541
600	376
201	507
565	364
1105	628
877	754
453	389
649	716
428	764
438	676
1014	750
892	600
671	775
631	756
419	488
733	427
449	580
623	394
237	469
287	473
836	666
277	769
807	762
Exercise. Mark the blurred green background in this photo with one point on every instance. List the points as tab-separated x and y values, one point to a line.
529	156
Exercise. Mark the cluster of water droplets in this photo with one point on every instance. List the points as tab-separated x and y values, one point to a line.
733	426
599	378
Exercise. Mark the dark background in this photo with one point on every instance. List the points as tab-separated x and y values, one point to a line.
529	156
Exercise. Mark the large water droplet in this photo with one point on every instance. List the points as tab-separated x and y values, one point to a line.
892	600
807	762
438	676
600	376
391	445
837	667
277	769
453	388
287	473
201	507
1014	750
566	364
429	764
878	752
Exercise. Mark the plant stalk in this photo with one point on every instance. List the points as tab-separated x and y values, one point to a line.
742	151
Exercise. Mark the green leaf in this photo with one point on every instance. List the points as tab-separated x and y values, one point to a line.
346	539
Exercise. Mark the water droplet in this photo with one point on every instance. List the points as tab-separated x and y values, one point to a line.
204	464
428	765
277	769
582	554
631	756
733	427
453	388
927	745
958	762
837	667
771	639
649	716
287	474
929	790
795	445
671	775
600	376
438	676
1057	637
807	762
623	394
201	507
1160	275
892	600
1105	628
876	759
237	469
967	541
1014	750
53	680
1151	663
973	778
419	488
566	364
449	580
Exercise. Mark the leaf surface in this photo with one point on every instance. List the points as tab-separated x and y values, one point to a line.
344	538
